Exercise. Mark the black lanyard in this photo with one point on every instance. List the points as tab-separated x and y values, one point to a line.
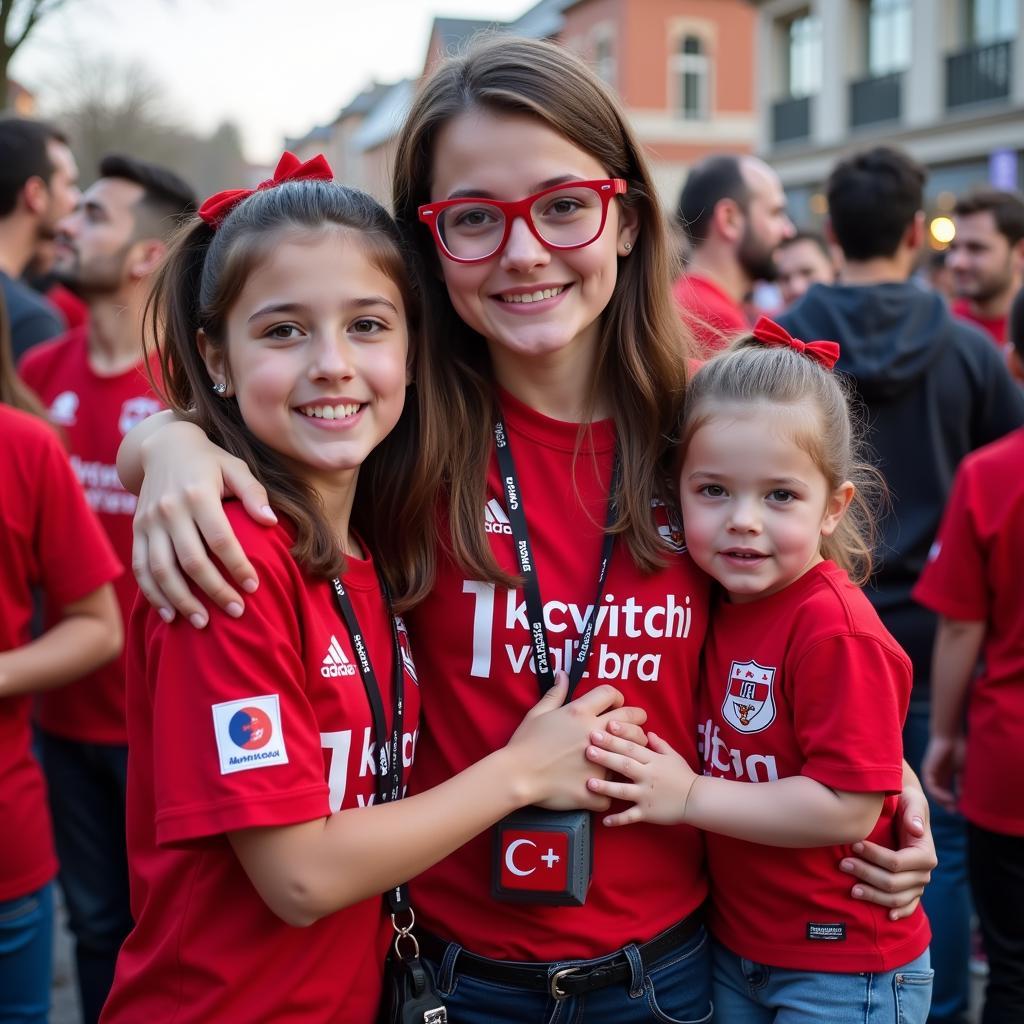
389	750
528	567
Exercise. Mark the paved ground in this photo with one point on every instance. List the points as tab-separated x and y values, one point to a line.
65	999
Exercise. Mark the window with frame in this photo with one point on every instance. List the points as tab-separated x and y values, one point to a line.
888	36
803	52
990	21
691	69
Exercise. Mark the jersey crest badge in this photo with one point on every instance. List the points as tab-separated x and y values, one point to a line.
249	733
135	410
669	525
749	704
406	649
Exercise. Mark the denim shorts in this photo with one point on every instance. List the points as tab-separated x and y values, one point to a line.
675	989
750	993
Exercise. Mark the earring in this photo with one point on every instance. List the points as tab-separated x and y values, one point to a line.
220	389
628	246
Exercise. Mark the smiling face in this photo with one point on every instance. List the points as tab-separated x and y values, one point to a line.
982	262
316	355
528	300
755	504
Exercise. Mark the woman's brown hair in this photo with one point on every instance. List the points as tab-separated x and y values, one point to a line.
195	289
12	391
640	369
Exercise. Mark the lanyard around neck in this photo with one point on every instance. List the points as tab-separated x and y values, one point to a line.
528	567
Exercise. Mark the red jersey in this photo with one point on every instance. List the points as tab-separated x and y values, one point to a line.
974	574
713	317
473	641
49	540
993	326
94	413
250	723
806	681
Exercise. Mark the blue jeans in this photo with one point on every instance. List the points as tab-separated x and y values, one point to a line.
675	990
26	957
750	993
947	898
87	792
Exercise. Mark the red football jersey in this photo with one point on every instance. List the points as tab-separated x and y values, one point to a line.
49	540
993	326
473	642
712	316
805	682
974	574
94	413
251	722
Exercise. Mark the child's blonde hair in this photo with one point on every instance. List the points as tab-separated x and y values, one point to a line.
750	372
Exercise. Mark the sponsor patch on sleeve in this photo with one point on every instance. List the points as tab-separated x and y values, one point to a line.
249	733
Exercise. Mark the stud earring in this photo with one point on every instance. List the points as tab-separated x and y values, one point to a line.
220	389
628	246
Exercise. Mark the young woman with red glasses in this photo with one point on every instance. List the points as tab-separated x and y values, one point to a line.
551	378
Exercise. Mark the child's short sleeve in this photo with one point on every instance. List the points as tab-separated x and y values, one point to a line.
849	695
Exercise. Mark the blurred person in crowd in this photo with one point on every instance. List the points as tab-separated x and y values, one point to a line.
935	273
934	388
94	382
801	261
733	210
986	258
38	186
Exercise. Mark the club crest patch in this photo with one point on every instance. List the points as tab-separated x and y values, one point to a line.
249	733
749	704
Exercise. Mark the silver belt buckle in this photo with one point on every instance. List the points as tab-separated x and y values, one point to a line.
556	993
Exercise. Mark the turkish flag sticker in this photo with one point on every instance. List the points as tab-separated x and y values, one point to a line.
536	861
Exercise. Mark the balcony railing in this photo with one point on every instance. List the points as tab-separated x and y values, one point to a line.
877	99
791	119
979	75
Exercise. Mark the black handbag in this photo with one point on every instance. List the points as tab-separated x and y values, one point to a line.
409	993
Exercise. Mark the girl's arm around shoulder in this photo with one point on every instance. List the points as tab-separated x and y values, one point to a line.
791	812
304	872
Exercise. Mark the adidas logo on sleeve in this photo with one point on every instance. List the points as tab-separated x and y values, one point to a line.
335	662
495	519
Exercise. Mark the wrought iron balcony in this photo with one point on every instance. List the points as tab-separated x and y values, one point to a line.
791	119
978	75
876	99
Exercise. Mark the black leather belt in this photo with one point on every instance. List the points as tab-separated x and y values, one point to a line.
562	982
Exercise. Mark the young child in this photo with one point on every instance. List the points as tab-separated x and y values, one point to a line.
973	581
802	691
51	542
268	751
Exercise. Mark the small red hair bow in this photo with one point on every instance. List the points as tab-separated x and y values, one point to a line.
289	168
768	332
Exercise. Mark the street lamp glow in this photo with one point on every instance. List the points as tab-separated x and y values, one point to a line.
943	230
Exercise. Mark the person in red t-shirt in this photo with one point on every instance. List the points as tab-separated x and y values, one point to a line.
803	692
258	861
733	210
549	325
49	542
94	381
986	258
973	581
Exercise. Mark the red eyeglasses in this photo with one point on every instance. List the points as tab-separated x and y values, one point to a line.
567	216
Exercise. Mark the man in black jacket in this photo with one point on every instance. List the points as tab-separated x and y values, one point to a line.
933	388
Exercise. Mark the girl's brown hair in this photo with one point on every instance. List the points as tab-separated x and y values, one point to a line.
195	289
12	391
640	369
750	373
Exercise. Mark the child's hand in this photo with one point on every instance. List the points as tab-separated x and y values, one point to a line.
941	767
659	779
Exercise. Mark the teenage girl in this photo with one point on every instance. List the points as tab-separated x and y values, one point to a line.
529	207
267	752
802	690
50	541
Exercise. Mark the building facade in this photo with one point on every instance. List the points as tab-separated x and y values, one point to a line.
942	79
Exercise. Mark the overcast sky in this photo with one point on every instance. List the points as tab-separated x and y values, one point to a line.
275	68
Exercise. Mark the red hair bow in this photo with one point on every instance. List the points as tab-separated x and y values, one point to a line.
289	168
768	332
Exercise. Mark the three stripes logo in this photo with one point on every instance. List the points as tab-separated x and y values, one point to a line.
495	519
335	661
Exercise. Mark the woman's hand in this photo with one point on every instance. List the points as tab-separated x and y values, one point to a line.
941	767
180	521
896	878
550	744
